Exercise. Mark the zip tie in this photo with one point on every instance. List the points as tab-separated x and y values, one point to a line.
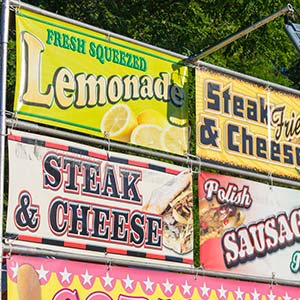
273	281
271	181
108	267
14	120
188	162
16	7
8	112
108	261
15	116
106	135
198	159
199	165
9	243
197	272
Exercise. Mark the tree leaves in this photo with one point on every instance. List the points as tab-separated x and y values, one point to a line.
190	26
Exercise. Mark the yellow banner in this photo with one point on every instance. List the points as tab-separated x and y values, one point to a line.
71	77
242	124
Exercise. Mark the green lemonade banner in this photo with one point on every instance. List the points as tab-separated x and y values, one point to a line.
74	78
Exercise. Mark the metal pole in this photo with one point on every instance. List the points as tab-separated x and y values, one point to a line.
17	124
144	264
192	59
3	72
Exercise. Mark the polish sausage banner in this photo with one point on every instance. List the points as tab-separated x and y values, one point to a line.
73	197
243	124
54	279
248	227
81	78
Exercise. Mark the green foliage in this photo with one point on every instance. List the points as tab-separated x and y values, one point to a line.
190	26
11	73
294	74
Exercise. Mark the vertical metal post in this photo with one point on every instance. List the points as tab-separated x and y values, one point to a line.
3	79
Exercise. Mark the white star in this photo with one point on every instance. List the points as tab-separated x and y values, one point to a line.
286	296
239	293
204	290
186	288
148	284
107	280
168	286
255	295
128	282
15	270
271	296
222	292
87	277
65	275
42	273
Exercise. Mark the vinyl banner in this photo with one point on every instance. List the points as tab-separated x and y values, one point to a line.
248	227
54	279
73	197
99	83
246	125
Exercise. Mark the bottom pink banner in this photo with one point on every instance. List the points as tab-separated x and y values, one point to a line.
33	278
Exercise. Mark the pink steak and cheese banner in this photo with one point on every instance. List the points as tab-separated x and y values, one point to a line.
53	279
248	227
73	197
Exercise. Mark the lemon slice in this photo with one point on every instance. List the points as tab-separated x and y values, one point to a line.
147	135
118	122
152	116
175	139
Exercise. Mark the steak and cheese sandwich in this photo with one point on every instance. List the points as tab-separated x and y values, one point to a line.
174	202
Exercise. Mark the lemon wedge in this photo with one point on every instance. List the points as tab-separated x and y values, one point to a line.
118	122
175	139
147	135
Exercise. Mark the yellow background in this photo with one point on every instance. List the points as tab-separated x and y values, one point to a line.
85	119
247	90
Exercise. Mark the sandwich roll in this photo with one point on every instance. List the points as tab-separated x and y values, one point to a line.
28	284
164	195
